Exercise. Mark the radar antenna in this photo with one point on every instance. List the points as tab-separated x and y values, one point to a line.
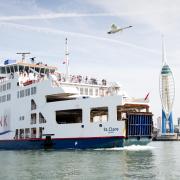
23	54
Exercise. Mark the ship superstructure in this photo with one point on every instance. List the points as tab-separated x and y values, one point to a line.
43	108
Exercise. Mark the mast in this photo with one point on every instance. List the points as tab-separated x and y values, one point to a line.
67	60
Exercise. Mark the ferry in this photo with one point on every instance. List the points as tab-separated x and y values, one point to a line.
42	108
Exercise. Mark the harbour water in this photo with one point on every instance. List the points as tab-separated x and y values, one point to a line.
158	160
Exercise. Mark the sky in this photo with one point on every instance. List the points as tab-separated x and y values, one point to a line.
133	58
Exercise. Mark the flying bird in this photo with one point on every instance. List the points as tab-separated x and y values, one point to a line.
115	29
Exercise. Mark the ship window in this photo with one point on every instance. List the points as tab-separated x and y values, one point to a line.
4	87
33	132
26	92
8	69
27	133
40	132
99	114
69	116
81	91
41	118
3	71
18	94
21	118
91	92
33	118
33	90
97	92
15	68
16	134
12	69
3	98
8	86
8	97
21	135
22	93
86	91
122	112
33	104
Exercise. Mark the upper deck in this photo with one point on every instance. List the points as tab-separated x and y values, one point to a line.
33	73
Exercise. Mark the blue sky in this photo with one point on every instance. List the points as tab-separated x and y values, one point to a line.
132	58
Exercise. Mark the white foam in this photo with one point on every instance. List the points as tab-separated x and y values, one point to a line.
130	148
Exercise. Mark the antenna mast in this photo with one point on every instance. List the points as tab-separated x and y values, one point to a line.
23	55
67	60
163	51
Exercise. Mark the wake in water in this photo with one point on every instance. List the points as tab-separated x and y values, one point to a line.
129	148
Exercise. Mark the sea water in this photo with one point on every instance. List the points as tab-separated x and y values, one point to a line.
158	160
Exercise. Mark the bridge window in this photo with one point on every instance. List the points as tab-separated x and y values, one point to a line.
99	114
69	116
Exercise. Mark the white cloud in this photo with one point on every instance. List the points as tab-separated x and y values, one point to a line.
65	15
55	31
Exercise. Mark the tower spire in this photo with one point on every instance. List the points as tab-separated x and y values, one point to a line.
164	59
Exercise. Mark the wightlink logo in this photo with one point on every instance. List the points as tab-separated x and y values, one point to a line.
111	129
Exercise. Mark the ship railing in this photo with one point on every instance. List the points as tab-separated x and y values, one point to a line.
6	78
25	79
79	79
134	100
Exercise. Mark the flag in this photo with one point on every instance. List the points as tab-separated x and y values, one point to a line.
147	96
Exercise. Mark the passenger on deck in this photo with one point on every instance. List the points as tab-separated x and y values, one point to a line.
31	76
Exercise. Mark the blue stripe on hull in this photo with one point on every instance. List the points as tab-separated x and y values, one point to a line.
90	143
